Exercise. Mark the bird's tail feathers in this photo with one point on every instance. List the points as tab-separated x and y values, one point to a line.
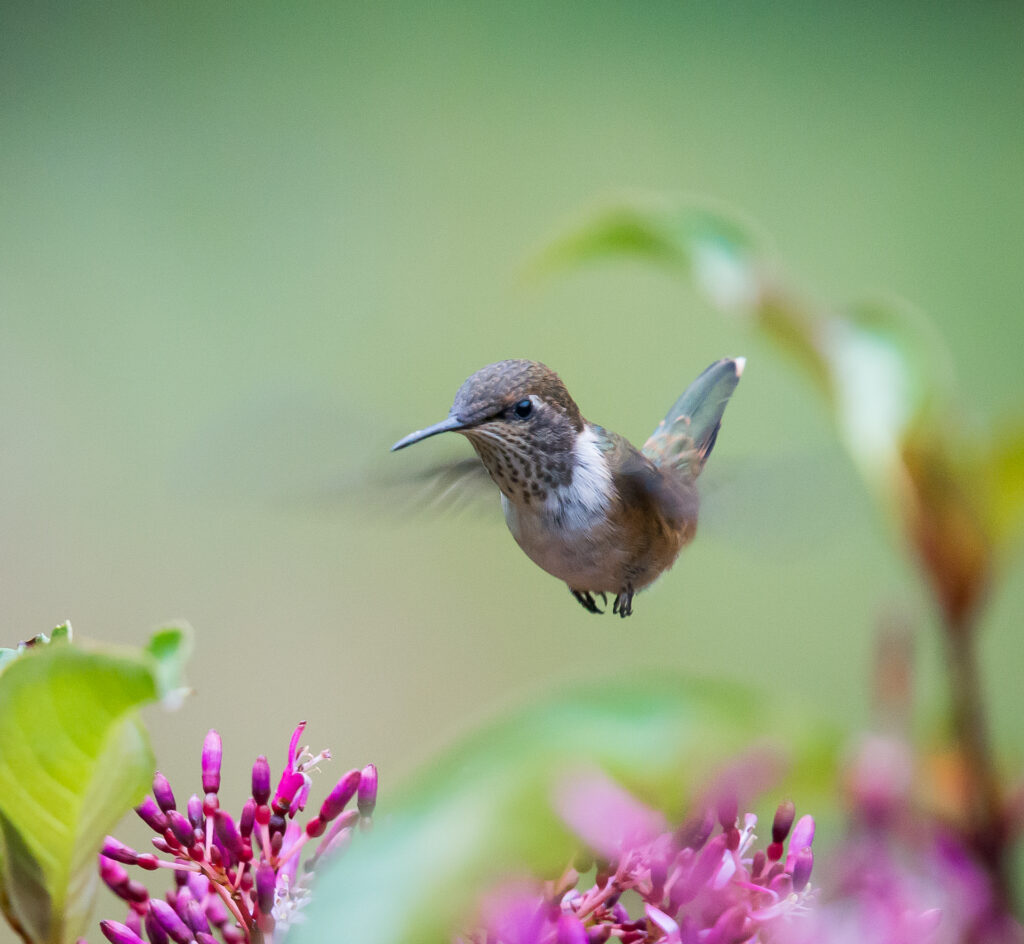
685	437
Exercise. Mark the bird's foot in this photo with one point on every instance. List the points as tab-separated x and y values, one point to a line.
587	601
623	604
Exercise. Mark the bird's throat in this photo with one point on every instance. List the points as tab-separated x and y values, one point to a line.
579	503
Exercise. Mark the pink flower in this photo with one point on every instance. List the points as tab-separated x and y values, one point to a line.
233	876
695	886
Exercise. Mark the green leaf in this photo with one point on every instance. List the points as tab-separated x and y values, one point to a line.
1007	491
60	634
717	251
484	810
73	758
170	648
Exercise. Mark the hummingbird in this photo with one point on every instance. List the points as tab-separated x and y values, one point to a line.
582	502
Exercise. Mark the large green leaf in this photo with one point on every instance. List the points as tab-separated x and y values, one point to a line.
485	809
73	758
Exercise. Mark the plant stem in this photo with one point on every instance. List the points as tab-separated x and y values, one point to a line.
986	823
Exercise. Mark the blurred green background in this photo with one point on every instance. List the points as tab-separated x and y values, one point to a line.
245	247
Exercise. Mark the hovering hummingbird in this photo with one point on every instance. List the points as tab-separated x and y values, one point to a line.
580	500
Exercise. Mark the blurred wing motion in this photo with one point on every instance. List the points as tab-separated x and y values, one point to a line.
455	486
303	449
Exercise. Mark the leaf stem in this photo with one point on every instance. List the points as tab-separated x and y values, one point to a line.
986	821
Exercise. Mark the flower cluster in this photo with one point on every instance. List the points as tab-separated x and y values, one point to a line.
702	882
236	879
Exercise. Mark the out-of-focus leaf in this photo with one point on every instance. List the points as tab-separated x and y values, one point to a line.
60	634
169	649
1007	490
882	370
73	758
942	509
717	251
485	810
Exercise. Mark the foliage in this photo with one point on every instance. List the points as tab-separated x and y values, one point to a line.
73	757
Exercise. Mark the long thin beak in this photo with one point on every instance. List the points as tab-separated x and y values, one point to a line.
452	422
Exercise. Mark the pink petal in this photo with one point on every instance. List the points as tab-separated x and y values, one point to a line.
606	817
803	836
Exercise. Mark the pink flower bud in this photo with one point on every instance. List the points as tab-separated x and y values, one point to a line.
162	792
212	753
367	790
261	780
696	831
338	798
195	917
181	829
114	877
802	869
195	812
176	929
783	821
802	837
118	933
118	851
266	881
704	869
728	809
155	933
152	815
216	912
248	818
659	874
227	832
137	892
179	902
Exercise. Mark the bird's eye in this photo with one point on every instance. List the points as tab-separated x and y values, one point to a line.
523	409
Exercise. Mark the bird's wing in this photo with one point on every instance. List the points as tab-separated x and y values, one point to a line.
641	482
685	437
460	485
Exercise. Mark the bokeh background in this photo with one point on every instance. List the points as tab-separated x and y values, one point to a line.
245	247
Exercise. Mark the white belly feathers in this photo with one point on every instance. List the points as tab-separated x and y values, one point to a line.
561	533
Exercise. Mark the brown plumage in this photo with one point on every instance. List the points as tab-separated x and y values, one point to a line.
581	501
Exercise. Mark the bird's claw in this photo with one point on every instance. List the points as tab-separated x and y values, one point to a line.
587	601
623	604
